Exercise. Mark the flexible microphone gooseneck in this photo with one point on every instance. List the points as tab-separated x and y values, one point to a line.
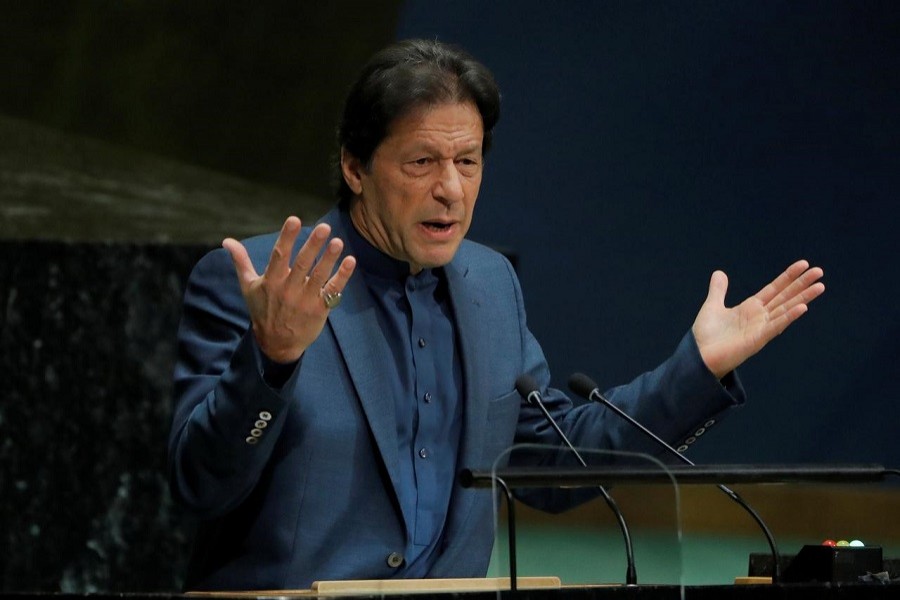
585	387
530	392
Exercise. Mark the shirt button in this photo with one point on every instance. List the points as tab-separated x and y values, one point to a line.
421	342
426	397
423	453
394	560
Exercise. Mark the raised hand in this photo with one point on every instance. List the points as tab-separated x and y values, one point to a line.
727	337
286	304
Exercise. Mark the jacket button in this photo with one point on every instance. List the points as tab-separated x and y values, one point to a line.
394	560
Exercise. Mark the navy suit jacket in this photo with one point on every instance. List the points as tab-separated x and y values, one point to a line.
314	498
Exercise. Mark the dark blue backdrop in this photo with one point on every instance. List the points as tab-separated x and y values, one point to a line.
645	144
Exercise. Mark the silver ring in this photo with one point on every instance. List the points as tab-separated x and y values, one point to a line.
331	299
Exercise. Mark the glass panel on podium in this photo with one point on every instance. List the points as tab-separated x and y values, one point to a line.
564	526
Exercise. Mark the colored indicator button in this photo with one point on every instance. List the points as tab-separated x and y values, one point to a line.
828	543
857	544
842	543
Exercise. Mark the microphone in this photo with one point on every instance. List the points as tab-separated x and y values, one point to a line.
530	392
585	387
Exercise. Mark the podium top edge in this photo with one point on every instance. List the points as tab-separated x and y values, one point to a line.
520	477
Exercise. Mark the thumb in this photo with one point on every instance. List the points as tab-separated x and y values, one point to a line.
243	267
718	286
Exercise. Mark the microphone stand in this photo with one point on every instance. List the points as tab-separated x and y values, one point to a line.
580	383
528	389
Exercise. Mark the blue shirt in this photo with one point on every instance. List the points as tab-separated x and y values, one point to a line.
417	320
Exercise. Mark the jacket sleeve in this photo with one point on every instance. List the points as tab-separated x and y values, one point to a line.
226	418
678	400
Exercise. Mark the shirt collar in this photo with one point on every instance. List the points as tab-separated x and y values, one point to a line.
373	261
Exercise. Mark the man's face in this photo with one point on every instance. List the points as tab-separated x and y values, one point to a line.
415	201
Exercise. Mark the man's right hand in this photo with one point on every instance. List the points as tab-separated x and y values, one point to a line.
286	307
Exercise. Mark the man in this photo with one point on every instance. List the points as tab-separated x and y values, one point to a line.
320	441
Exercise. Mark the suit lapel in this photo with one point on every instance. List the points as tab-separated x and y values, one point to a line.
363	345
467	297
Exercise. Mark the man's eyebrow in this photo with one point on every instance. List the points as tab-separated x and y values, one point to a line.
475	146
425	146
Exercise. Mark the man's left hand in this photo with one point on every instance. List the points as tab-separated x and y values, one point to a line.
727	337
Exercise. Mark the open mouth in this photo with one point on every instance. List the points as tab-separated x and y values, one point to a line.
436	225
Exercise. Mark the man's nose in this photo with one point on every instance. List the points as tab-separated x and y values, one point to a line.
449	186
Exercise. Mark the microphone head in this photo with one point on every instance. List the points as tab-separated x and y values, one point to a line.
582	385
526	385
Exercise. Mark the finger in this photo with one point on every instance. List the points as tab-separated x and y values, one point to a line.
718	287
799	290
801	299
323	269
243	266
306	257
279	260
781	282
792	310
339	280
775	327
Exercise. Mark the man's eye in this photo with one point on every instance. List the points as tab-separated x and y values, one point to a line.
468	166
421	162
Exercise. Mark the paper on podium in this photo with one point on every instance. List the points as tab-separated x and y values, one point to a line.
396	586
417	586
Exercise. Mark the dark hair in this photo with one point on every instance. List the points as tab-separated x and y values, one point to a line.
405	76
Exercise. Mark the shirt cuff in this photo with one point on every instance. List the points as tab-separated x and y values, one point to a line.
275	374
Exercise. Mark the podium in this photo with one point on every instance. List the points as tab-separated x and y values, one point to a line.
619	592
812	565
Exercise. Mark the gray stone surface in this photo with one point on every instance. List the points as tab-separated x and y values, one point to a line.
64	187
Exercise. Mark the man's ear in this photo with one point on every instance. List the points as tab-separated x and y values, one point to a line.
351	169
